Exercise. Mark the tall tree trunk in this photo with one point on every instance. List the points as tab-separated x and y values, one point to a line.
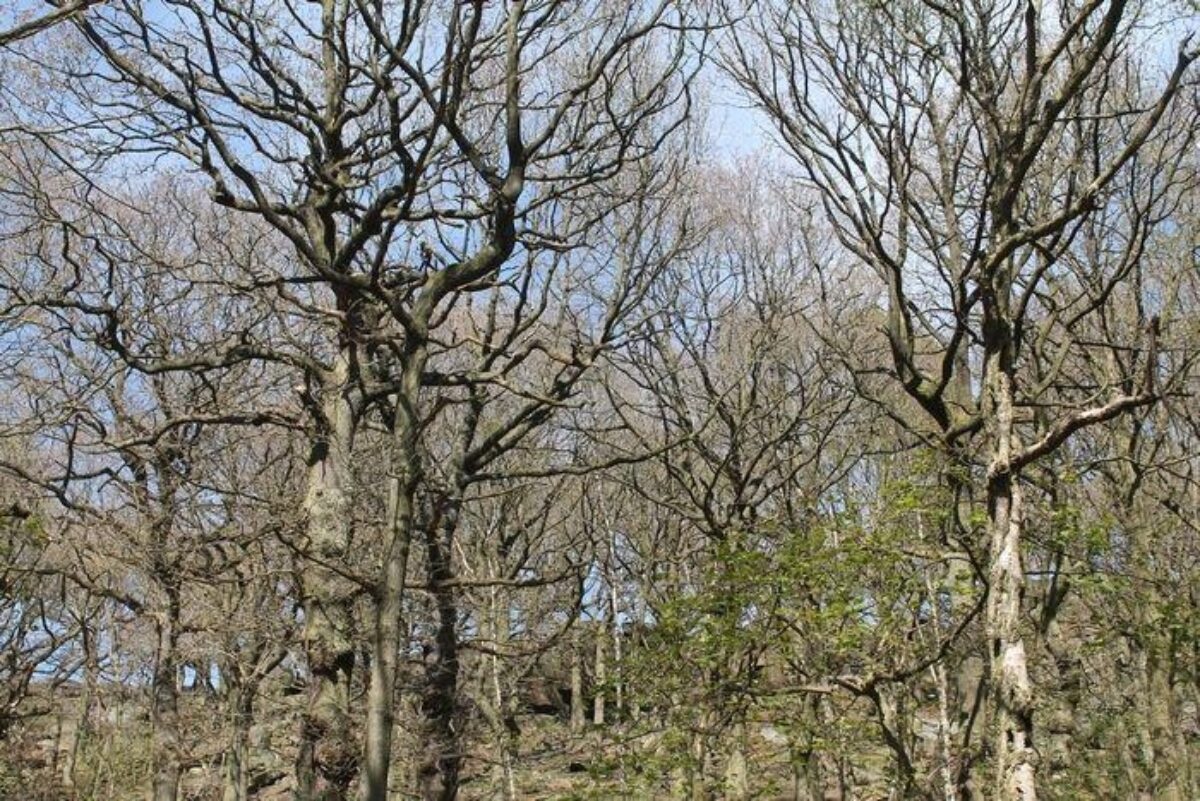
943	750
83	727
505	723
614	611
808	781
389	609
164	710
385	646
599	673
895	726
946	757
577	714
442	760
328	758
1153	652
1011	691
1166	764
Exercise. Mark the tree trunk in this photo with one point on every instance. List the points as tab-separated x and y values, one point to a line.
807	782
237	758
385	645
600	676
614	611
386	642
944	750
505	724
442	759
328	759
1167	765
807	777
1011	691
83	727
577	714
164	710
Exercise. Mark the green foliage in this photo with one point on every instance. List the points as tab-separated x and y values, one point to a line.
775	610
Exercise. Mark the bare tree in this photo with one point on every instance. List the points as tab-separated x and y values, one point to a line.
403	175
389	386
959	153
739	409
39	618
130	436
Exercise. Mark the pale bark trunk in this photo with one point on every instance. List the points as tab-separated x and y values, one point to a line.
233	779
577	715
328	759
70	751
615	620
970	689
600	673
507	730
946	759
1011	691
894	725
944	749
1165	753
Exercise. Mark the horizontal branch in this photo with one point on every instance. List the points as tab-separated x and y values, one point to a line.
1065	428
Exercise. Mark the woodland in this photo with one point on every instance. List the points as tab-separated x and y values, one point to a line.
581	399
